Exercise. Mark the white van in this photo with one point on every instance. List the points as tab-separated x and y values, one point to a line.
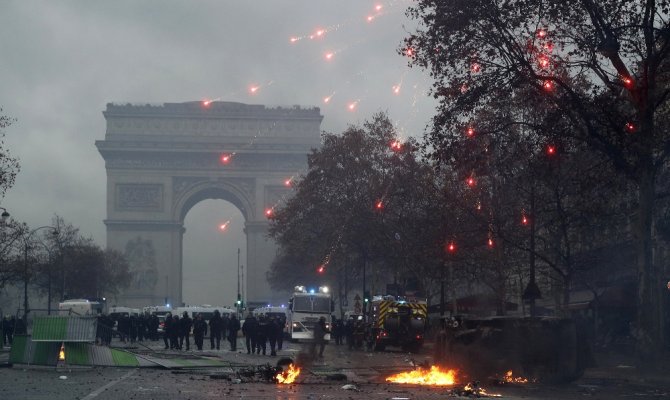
206	311
80	307
117	312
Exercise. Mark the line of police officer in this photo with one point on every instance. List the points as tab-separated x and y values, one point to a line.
177	331
259	331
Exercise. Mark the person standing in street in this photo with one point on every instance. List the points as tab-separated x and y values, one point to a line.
249	330
261	334
320	332
215	328
185	325
272	335
167	330
233	328
199	330
174	333
225	322
281	324
6	333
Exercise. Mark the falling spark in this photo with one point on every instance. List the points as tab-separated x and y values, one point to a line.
224	225
352	106
378	7
396	89
226	158
379	205
294	39
370	18
288	182
548	85
451	247
475	67
471	131
254	89
329	56
268	212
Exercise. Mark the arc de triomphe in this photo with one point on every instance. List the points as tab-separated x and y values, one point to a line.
161	160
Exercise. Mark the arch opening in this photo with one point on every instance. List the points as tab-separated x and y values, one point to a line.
210	254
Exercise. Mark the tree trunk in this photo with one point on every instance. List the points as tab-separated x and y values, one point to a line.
648	299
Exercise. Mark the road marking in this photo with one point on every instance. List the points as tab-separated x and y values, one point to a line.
96	392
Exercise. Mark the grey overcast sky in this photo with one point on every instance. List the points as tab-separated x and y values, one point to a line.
62	61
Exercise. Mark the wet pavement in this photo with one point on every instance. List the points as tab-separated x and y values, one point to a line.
341	374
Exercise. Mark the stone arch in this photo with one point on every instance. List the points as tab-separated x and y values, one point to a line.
222	189
161	160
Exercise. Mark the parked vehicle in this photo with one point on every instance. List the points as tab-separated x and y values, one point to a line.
80	307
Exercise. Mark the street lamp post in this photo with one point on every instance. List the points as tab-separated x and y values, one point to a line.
26	238
239	294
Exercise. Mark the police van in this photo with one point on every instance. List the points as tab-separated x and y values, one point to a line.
80	307
206	310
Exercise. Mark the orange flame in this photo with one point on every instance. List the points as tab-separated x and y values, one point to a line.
474	389
61	353
434	377
510	378
289	376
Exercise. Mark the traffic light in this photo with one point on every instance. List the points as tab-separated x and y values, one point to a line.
239	300
366	296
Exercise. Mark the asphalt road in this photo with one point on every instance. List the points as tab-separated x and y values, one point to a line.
365	371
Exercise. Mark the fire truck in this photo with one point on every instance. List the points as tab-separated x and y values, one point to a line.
397	321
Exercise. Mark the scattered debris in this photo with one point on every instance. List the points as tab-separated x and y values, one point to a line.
336	377
350	387
63	377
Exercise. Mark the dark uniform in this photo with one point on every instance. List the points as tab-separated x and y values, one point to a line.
199	331
233	328
153	327
281	323
261	335
249	329
174	333
320	332
272	335
7	330
215	329
185	325
167	329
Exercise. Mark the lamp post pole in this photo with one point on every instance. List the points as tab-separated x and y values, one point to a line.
239	293
26	238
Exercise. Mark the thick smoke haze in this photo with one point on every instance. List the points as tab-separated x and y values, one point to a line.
63	61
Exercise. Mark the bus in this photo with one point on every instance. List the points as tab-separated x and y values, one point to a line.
305	309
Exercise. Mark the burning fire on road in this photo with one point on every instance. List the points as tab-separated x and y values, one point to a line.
510	378
434	377
289	375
